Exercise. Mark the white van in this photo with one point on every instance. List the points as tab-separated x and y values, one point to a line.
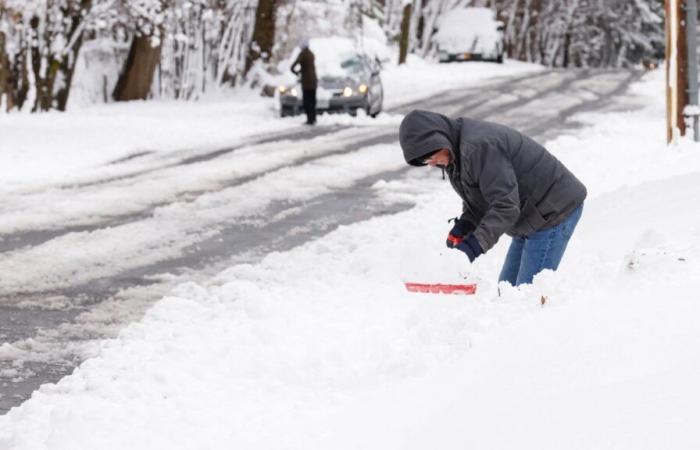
469	34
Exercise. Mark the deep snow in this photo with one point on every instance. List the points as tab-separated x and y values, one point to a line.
320	347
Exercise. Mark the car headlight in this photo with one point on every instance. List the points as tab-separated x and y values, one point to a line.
362	89
290	92
347	92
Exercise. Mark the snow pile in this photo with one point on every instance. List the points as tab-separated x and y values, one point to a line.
320	347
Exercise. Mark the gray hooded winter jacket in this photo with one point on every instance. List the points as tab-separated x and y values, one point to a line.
508	182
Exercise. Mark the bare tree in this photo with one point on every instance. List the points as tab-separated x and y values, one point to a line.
39	48
144	52
405	32
6	93
195	47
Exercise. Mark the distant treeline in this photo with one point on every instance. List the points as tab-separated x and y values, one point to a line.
135	48
557	33
138	49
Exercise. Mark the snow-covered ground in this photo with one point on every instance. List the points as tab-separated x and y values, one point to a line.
320	346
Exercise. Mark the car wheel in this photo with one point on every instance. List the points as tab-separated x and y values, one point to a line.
288	111
379	108
499	54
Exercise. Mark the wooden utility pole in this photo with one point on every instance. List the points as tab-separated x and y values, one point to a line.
676	68
691	32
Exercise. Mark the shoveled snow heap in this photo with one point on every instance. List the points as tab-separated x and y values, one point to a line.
321	347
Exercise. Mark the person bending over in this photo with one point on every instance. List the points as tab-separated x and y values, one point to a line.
508	183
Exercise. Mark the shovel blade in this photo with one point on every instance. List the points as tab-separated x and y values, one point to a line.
439	288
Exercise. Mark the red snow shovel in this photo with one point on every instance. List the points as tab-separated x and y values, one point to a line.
438	273
439	288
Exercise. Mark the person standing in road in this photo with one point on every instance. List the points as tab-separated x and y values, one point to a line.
307	70
508	183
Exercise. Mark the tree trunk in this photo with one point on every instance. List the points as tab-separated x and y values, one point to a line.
20	78
7	97
405	30
567	46
263	33
43	76
137	76
67	69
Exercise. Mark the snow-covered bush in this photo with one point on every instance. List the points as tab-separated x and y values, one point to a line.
41	43
200	44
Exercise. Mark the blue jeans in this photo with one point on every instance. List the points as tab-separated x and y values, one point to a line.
541	250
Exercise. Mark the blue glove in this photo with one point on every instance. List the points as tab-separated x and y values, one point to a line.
461	228
470	246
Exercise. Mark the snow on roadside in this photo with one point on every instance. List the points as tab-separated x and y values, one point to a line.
39	150
174	227
419	78
320	346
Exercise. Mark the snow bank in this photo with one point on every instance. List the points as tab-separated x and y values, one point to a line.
321	347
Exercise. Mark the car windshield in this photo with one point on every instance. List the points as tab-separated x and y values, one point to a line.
352	64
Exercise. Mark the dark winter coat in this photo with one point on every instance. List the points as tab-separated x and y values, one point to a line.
306	61
508	182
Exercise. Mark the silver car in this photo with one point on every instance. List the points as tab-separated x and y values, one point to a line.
355	85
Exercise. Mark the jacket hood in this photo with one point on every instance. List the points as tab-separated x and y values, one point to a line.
423	132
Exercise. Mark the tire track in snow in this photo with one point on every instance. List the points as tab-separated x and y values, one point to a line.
474	101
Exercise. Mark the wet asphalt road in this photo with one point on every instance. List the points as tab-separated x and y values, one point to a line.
56	328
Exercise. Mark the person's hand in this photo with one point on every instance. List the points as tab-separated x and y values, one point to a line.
471	247
460	229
